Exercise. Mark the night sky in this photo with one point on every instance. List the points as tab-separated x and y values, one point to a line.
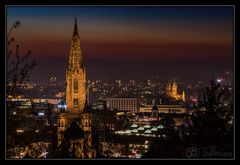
127	42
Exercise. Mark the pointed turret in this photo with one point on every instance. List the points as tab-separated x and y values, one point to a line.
86	108
183	96
174	88
168	88
75	31
174	80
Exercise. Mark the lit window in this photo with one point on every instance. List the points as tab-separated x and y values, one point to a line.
75	101
75	85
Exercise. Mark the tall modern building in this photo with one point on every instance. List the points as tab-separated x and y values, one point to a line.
75	76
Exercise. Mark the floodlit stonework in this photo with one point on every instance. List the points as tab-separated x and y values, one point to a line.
75	124
75	76
172	91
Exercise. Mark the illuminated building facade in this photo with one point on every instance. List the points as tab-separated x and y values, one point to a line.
75	135
75	76
75	125
164	108
62	125
172	91
123	104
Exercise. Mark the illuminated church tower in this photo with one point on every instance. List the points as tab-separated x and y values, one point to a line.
172	91
75	124
62	124
183	96
75	77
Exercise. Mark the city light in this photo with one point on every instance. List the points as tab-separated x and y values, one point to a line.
141	96
40	113
20	130
220	80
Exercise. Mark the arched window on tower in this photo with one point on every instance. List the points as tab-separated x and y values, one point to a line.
86	123
75	86
62	123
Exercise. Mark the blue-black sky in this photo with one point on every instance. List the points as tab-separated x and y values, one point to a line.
128	42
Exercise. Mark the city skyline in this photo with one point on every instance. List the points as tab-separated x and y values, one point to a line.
140	41
135	82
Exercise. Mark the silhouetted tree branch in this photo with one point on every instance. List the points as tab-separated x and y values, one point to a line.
18	66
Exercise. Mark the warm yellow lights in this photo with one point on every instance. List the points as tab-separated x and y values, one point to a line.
19	130
10	96
171	91
75	77
76	101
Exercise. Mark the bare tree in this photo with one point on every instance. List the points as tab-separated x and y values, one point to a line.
18	65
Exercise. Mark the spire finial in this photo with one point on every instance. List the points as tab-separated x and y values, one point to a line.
174	80
86	108
75	32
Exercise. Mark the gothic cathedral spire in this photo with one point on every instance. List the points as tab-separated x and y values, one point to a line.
75	76
75	32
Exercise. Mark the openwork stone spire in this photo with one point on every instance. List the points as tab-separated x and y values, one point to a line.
75	76
75	32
